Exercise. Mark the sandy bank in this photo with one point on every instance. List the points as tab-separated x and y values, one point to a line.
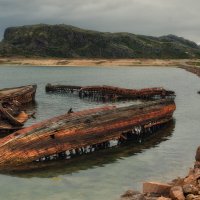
191	65
95	62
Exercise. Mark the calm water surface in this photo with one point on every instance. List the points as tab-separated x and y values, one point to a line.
107	174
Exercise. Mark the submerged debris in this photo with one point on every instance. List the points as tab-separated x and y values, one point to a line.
62	88
110	93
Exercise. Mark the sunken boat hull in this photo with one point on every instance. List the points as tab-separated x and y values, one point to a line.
107	93
12	100
11	118
23	94
62	88
82	132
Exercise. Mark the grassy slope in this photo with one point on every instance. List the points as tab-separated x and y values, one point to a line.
70	42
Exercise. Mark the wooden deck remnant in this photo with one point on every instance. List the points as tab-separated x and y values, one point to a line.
82	132
107	93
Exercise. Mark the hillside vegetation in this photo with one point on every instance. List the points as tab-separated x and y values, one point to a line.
65	41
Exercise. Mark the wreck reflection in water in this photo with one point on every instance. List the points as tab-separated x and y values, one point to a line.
95	159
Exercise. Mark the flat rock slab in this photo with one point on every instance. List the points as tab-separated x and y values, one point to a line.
156	188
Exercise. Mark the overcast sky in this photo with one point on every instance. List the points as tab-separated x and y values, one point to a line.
147	17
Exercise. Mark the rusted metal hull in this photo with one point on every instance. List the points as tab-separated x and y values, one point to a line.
82	132
12	116
111	93
23	94
61	88
89	160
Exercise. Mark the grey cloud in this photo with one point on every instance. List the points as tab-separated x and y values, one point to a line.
147	17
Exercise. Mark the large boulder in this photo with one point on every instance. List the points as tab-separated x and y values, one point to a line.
156	188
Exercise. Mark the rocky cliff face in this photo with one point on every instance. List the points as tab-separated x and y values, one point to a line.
67	41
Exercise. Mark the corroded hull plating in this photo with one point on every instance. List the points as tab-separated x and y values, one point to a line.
23	94
82	132
12	117
111	93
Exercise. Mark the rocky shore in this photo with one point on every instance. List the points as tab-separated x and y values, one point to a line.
187	188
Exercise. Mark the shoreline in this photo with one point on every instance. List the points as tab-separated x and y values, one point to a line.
96	62
190	65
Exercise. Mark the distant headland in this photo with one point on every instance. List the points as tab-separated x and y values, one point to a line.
64	41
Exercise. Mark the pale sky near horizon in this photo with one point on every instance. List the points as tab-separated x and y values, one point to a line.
146	17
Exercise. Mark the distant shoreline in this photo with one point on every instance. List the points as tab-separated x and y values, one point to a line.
190	65
96	62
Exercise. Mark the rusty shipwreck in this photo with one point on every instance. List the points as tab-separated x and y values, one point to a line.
12	100
82	132
110	93
23	94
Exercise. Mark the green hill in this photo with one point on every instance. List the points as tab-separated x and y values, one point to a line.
65	41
